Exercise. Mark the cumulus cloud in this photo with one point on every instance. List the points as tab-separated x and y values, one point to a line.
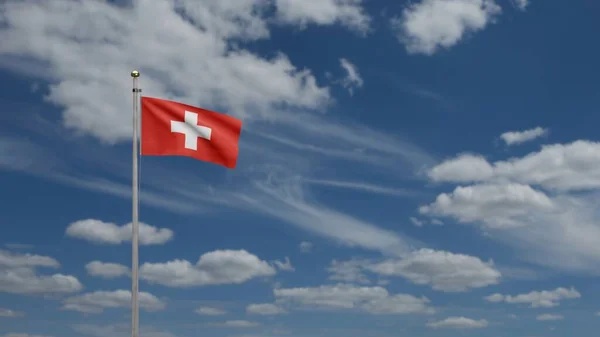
429	25
112	48
18	275
96	302
464	168
27	281
217	267
349	13
518	137
542	203
549	317
101	232
106	270
374	300
459	323
538	299
265	309
208	311
16	260
560	167
495	205
441	270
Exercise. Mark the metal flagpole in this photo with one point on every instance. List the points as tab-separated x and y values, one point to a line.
134	222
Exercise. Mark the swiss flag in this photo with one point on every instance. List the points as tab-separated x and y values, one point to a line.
175	129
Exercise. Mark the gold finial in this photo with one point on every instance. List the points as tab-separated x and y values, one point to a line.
135	74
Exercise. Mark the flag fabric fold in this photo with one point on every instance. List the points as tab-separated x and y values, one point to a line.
175	129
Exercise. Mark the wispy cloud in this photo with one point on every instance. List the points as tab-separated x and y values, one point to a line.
365	187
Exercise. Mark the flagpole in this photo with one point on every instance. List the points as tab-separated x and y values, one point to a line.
134	222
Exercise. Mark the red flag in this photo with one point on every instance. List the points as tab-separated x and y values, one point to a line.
175	129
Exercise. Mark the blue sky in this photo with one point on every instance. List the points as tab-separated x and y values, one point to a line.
407	168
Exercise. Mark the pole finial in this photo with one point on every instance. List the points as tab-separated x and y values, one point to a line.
135	74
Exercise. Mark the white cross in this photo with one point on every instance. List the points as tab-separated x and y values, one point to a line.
191	130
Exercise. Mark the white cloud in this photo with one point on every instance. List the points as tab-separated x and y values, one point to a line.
306	247
518	137
27	281
96	302
353	79
375	300
560	167
19	276
237	324
285	266
265	309
207	311
538	299
521	4
324	12
563	237
217	267
530	203
495	205
101	232
549	317
11	313
464	168
15	260
119	34
441	270
350	271
459	323
429	25
106	270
